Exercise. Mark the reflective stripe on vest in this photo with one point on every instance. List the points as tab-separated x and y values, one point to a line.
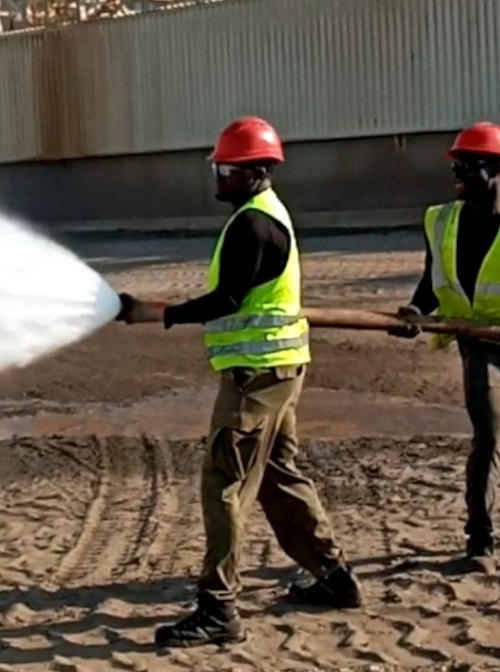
232	323
438	275
258	347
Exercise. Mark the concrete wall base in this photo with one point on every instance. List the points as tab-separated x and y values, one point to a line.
340	184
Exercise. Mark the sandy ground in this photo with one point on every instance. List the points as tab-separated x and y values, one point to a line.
100	526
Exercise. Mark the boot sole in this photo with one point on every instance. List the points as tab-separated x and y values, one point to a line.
297	598
190	643
325	605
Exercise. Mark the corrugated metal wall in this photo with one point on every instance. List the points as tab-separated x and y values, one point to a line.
316	68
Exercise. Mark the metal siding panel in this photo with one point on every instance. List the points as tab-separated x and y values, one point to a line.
318	69
18	121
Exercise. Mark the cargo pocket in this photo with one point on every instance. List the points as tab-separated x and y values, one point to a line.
289	372
235	450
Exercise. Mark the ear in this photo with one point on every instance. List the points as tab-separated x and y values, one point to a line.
260	172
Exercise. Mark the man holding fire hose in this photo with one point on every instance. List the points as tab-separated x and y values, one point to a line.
462	280
258	341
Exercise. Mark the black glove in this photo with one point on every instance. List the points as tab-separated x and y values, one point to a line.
168	318
126	301
406	331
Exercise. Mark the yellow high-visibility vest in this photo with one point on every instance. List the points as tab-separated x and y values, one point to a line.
441	229
268	330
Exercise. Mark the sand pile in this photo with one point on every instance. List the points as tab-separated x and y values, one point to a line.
100	536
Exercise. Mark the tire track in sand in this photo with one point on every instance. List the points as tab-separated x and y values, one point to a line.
123	516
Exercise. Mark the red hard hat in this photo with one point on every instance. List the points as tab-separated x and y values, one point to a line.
481	138
248	139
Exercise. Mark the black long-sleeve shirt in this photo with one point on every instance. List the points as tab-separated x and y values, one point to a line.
255	250
475	238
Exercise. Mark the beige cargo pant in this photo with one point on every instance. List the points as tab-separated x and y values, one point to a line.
250	456
481	375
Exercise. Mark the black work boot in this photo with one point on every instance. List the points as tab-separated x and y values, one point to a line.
213	622
338	590
479	554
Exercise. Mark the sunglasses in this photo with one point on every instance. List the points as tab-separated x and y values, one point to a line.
224	169
486	167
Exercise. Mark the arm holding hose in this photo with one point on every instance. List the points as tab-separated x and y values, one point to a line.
423	302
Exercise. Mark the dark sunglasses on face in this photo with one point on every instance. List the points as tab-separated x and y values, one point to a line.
486	168
223	169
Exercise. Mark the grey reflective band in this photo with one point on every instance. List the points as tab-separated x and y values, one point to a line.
488	289
258	347
438	276
240	323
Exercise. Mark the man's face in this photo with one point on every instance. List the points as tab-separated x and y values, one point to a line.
474	175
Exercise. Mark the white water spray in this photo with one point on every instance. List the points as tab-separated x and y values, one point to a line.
49	298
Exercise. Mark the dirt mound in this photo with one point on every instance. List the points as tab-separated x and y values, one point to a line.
120	365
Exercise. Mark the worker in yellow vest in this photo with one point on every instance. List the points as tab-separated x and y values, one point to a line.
462	279
257	339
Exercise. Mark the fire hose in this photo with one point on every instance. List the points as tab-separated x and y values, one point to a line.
367	320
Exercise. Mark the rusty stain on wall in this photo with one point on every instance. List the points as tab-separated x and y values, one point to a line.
318	69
